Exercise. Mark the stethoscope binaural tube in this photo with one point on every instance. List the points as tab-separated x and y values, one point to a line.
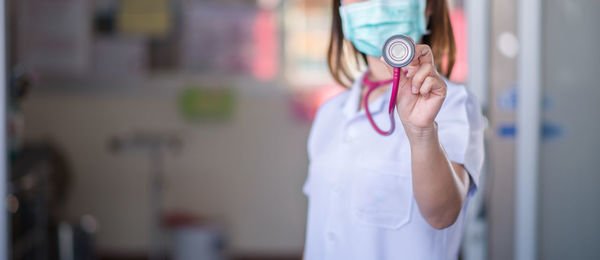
398	51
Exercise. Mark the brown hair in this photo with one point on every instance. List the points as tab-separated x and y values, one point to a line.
440	38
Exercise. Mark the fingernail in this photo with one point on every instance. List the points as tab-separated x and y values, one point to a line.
414	90
405	72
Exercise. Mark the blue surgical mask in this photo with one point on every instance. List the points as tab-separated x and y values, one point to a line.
369	24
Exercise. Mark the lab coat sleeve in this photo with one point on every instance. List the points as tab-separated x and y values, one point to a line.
310	147
460	131
306	186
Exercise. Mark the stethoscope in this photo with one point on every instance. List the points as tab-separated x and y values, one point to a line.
398	51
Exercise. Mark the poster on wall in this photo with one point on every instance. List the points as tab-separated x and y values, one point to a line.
234	39
305	43
54	37
206	103
144	17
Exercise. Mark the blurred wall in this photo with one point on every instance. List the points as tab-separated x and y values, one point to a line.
246	172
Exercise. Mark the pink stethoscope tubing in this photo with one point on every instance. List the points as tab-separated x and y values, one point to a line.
373	85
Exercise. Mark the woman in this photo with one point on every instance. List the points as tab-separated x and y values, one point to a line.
401	196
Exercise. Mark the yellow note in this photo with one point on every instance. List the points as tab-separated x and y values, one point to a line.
144	17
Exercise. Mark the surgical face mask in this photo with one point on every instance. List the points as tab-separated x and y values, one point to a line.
369	24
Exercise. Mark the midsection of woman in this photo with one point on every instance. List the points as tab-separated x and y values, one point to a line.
360	187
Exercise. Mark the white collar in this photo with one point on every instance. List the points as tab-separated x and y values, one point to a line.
350	108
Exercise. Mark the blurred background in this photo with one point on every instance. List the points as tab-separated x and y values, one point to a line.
177	129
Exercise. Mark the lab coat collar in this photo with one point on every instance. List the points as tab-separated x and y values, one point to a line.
350	108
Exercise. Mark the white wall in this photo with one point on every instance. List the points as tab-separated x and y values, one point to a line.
246	172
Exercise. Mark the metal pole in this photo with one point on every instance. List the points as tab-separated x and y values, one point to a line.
156	250
3	144
528	129
478	28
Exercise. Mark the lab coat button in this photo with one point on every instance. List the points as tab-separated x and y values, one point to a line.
352	133
347	136
330	236
335	189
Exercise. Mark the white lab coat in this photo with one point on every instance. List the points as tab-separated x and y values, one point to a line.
359	186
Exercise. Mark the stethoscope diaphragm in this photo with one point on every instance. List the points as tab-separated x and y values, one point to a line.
398	51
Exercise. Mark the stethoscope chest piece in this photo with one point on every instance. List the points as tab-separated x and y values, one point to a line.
398	51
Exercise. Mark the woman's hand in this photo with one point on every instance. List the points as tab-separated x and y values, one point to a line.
421	93
440	186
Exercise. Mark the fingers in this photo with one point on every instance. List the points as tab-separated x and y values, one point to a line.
424	72
423	55
427	86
